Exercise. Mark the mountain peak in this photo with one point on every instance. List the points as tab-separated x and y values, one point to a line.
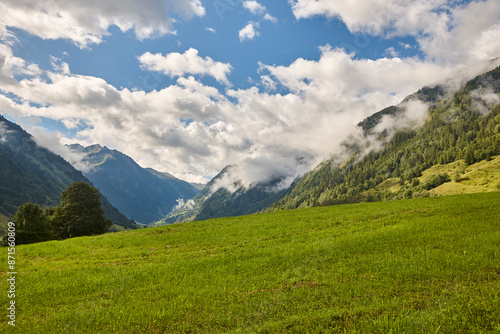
92	148
76	147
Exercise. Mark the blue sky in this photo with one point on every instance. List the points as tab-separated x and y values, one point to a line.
188	87
278	43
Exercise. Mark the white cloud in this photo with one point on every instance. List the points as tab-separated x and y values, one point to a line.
211	30
266	134
392	52
371	16
177	64
85	21
269	17
59	66
249	32
53	142
10	66
447	31
254	7
192	130
484	98
4	133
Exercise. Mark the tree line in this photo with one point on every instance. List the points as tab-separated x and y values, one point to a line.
79	214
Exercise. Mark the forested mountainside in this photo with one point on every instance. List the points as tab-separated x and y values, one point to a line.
30	173
464	126
215	201
409	159
142	194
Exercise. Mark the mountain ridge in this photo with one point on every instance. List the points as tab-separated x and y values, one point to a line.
30	173
142	194
462	117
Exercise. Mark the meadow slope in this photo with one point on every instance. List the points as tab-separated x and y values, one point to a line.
429	265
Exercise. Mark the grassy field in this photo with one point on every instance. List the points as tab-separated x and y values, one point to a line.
428	265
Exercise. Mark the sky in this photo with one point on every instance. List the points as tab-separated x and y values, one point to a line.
190	86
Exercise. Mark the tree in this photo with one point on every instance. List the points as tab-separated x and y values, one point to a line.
470	159
32	224
80	212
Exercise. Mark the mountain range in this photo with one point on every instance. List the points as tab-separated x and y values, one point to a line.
461	129
30	173
398	156
142	194
452	148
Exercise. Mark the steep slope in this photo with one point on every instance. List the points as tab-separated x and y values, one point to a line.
462	127
188	211
242	201
459	126
29	173
215	201
144	195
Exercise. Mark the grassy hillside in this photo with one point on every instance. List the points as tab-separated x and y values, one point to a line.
429	265
483	176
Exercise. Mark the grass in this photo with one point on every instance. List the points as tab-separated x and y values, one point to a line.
483	176
428	265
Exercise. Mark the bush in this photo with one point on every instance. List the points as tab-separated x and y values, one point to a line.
436	181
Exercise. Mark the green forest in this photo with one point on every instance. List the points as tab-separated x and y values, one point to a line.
454	130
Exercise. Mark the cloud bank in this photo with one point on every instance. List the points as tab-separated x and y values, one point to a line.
85	22
297	116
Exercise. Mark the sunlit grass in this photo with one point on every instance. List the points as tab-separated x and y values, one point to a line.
430	265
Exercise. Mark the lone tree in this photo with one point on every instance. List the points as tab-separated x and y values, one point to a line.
32	224
80	212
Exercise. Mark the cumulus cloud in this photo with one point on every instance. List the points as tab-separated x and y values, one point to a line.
269	17
254	7
177	64
85	21
191	130
446	31
11	66
257	9
249	32
369	16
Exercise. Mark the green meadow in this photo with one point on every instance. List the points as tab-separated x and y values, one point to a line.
429	265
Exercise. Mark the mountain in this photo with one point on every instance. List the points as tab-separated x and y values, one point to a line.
189	210
142	194
30	173
448	151
214	201
242	201
460	136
